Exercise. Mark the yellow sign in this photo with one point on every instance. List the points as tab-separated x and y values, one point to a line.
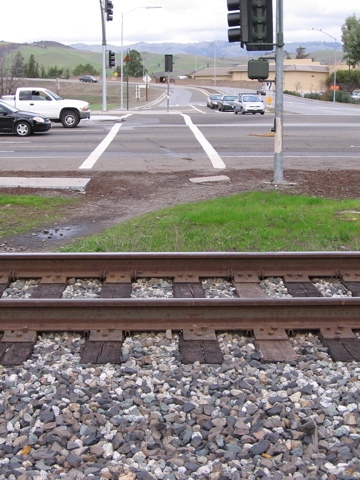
269	100
116	74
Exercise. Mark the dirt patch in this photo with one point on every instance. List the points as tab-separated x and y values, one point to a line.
112	198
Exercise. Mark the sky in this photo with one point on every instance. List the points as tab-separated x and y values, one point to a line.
180	21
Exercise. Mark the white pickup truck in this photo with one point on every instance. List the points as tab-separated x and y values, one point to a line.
47	103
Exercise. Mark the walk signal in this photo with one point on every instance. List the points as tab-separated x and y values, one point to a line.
109	10
239	19
111	59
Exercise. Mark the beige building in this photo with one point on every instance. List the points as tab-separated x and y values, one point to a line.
303	76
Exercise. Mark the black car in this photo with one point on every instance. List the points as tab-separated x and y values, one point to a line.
23	124
88	78
226	102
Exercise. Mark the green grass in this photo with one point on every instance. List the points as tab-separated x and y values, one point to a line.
246	222
19	214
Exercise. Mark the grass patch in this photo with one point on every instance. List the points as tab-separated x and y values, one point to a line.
246	222
19	214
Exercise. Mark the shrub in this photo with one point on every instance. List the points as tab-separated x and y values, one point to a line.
313	95
290	92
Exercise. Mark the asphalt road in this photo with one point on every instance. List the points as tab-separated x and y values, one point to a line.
180	133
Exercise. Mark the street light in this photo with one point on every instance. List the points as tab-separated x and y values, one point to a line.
213	44
122	52
322	31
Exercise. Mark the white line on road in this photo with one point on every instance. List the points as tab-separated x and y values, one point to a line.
100	149
197	109
209	149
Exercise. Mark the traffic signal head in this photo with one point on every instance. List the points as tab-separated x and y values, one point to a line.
109	10
111	59
238	18
168	63
260	25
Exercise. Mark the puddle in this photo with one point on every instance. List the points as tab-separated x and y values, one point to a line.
58	232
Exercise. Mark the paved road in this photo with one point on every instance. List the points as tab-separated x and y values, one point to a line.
181	134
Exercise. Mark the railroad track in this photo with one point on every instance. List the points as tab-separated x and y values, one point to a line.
115	312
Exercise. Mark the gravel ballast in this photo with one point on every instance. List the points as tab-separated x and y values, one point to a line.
151	417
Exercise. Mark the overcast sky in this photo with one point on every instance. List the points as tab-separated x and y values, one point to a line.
181	21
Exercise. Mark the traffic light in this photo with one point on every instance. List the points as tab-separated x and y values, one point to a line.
168	63
111	59
109	10
260	25
239	19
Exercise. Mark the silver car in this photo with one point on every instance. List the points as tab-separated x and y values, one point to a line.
212	100
249	103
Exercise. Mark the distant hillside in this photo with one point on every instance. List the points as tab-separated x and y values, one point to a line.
187	57
223	49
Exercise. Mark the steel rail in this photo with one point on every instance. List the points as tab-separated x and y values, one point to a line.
133	314
178	314
240	266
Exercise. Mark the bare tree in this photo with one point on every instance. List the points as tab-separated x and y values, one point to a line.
8	81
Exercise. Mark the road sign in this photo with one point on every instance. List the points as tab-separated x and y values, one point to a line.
147	79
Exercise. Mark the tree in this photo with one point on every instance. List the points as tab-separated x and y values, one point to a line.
32	68
134	66
300	53
351	40
347	80
18	65
84	70
8	79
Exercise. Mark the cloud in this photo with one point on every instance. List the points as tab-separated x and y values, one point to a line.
185	21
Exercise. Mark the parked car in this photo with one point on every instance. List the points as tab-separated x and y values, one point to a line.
356	95
23	124
88	78
212	100
262	90
249	103
226	102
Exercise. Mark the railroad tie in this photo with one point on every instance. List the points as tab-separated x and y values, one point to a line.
102	346
343	345
353	287
199	345
274	345
16	347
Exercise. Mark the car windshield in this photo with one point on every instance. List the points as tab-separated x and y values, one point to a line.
8	108
230	98
251	98
53	95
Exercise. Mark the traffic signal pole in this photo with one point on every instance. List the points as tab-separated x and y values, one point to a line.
102	8
279	95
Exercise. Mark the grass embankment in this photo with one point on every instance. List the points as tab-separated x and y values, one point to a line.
245	222
20	214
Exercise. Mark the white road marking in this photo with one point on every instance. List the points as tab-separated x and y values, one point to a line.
100	149
197	109
213	156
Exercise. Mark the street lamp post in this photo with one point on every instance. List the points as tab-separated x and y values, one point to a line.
122	53
213	44
322	31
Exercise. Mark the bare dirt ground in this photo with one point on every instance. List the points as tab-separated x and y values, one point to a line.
113	198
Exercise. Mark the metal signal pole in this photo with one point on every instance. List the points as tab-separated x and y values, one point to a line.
102	8
279	97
